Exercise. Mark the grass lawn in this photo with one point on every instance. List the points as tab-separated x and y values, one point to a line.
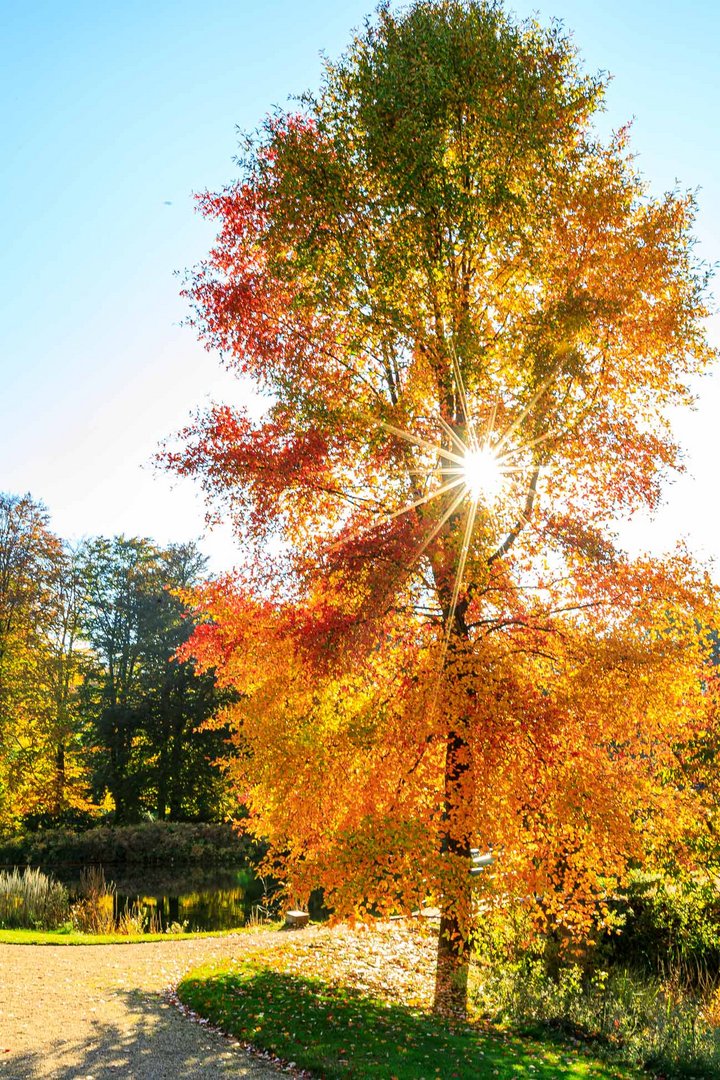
339	1032
75	937
355	1002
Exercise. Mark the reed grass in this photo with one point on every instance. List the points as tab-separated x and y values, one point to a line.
32	900
94	912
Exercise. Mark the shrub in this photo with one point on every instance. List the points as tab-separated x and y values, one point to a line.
638	1017
32	900
156	843
668	928
662	1013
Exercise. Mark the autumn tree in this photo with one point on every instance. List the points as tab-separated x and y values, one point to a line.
41	770
469	317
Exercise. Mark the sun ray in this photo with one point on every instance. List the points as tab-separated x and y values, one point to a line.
467	415
490	426
386	517
460	571
528	445
423	499
417	440
453	434
459	574
525	412
438	526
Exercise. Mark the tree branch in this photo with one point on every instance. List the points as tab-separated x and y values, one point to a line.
522	521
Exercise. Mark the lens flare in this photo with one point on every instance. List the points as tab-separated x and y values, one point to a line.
482	474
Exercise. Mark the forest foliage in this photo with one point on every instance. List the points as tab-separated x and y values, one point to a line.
97	718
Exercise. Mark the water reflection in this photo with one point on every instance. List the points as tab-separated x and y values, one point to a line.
189	898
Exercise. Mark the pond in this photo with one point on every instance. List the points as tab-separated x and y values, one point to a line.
189	897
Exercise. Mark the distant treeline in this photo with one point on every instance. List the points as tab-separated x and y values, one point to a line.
98	720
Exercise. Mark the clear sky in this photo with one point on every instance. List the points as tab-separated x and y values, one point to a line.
114	113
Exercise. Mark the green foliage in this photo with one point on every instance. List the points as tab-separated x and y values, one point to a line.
647	994
670	928
32	900
338	1032
156	843
92	699
146	710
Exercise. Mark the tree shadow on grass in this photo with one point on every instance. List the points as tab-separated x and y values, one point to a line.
337	1032
159	1044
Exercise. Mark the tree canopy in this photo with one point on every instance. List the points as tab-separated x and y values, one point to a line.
470	318
97	716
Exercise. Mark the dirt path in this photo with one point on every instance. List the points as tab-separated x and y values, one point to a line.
92	1012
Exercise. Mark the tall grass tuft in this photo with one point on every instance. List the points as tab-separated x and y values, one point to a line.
32	900
94	912
136	920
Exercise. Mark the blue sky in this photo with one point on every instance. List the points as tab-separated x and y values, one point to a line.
113	114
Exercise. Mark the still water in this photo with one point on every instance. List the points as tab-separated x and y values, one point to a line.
193	898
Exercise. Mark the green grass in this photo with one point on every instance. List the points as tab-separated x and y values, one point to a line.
75	937
338	1032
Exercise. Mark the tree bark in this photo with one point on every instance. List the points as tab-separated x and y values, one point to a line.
59	785
454	942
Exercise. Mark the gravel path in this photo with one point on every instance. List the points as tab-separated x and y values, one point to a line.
92	1012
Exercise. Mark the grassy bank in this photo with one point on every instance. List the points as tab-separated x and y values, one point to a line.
356	1003
75	937
336	1031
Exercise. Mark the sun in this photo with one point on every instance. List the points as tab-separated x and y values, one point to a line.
482	474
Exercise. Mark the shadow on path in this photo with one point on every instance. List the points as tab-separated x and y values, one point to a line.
159	1044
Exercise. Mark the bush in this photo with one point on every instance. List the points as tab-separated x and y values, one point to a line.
625	997
32	901
668	928
156	843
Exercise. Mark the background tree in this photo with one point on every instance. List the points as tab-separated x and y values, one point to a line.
66	664
471	318
38	660
115	572
145	706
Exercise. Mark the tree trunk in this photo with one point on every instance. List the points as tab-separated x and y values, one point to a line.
176	763
163	767
453	966
454	942
59	785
